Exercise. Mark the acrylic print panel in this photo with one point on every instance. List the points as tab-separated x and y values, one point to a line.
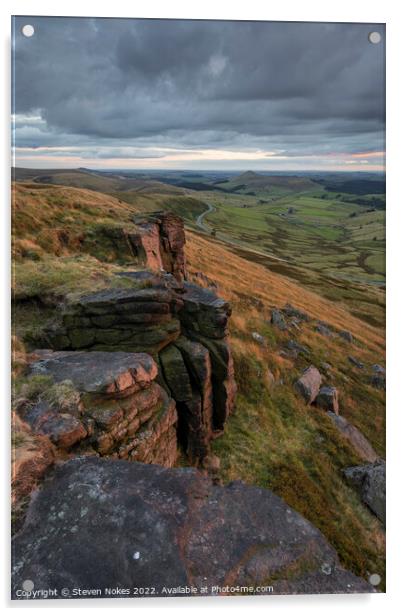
198	308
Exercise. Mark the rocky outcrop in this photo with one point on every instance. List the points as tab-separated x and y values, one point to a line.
118	407
204	318
156	241
369	480
132	319
161	240
358	441
308	385
109	524
185	329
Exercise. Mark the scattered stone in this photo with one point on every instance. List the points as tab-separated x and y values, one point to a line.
258	338
369	480
323	329
355	437
309	384
378	381
278	320
296	348
346	335
325	366
110	523
291	311
328	399
355	362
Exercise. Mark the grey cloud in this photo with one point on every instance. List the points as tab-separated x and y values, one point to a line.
189	84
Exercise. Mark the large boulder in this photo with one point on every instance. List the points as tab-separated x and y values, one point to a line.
358	441
369	480
308	385
108	524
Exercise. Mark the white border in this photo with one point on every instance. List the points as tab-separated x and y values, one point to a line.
287	10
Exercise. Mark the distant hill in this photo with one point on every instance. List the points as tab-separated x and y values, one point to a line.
251	181
91	180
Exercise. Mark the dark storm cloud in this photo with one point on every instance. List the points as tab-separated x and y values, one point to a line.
97	83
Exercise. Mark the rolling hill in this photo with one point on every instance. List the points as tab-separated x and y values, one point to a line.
255	182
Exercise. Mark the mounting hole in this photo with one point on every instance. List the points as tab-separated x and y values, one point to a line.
374	37
28	30
374	579
28	585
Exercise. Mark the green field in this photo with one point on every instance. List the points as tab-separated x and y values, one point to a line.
332	237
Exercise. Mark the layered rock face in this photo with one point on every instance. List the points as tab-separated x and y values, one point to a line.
183	327
160	242
111	524
134	320
115	407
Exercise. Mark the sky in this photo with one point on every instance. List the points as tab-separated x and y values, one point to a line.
206	95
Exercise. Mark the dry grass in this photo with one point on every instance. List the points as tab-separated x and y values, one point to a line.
54	219
235	275
273	439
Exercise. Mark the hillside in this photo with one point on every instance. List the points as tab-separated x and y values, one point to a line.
91	180
251	181
272	439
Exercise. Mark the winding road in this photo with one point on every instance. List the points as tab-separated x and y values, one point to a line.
200	219
228	240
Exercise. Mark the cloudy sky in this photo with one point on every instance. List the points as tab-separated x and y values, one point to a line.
168	94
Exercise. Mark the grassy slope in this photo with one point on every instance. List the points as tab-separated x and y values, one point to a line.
273	439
